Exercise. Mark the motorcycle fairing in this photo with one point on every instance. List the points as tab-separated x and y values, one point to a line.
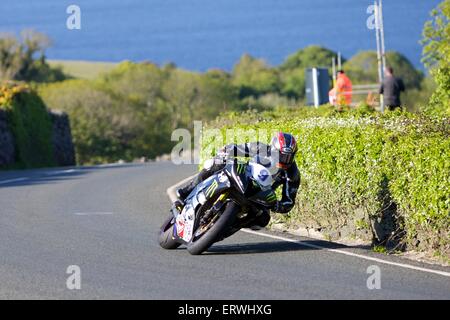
264	197
238	175
185	221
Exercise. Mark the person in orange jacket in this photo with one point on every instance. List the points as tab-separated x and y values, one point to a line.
341	94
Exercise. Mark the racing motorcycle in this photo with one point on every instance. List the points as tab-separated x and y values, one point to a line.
218	207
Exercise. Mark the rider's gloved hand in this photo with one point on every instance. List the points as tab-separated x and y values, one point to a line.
281	207
221	154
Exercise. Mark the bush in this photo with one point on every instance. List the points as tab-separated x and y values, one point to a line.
30	124
131	111
292	70
363	68
253	77
436	56
107	128
440	100
381	177
24	58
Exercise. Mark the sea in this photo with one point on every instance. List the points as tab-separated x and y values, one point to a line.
208	34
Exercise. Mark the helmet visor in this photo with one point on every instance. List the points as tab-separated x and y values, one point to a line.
286	158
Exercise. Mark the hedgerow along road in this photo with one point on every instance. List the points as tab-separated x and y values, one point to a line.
105	219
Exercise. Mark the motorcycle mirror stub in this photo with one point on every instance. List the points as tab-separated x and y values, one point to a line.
201	197
270	163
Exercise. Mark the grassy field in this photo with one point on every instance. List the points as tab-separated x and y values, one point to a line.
82	69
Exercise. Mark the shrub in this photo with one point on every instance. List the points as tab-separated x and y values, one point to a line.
436	56
381	177
30	124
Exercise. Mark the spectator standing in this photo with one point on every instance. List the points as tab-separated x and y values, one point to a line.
341	94
391	89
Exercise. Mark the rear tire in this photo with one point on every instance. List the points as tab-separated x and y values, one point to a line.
166	238
212	235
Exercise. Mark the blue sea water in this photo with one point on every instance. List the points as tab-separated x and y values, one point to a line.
204	34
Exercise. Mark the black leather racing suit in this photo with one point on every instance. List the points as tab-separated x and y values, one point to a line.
289	178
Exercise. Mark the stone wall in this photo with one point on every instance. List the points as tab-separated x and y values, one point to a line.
7	149
63	148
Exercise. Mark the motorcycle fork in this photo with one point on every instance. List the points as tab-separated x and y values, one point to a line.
216	206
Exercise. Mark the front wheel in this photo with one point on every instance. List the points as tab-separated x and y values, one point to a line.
225	220
166	238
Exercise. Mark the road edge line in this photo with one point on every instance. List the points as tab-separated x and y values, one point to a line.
171	192
14	180
361	256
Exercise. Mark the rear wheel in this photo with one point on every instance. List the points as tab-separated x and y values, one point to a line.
166	238
213	230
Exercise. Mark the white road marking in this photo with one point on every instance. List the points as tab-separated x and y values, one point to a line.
171	193
52	173
92	213
14	180
107	165
299	242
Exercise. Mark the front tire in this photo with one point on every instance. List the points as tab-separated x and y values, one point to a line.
198	246
166	238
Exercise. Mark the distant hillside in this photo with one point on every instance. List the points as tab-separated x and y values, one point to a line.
82	69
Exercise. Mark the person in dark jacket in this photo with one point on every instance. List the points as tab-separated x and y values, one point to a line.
278	157
391	89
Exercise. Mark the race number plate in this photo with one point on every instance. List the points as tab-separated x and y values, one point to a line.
185	223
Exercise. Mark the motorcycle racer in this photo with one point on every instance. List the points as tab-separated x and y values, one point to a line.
278	158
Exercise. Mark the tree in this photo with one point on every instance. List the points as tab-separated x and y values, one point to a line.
10	57
254	77
436	56
138	82
292	70
24	58
436	37
96	128
363	68
180	90
192	96
216	94
140	111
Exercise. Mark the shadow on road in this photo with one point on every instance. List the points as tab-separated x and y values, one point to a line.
258	247
278	246
37	179
45	176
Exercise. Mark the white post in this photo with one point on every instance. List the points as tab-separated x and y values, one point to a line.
383	52
339	61
315	87
333	67
379	57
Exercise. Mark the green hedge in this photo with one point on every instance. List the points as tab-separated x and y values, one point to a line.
30	124
364	175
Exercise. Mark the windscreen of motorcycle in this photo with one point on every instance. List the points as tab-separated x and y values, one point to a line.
267	162
261	175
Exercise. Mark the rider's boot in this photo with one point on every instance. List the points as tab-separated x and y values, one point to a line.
205	173
261	221
182	193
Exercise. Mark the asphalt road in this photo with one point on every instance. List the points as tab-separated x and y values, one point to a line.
105	220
